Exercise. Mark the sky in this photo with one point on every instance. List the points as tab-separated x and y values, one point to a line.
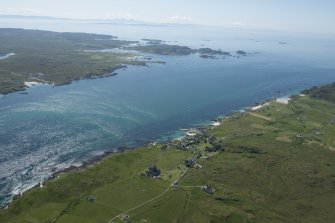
313	16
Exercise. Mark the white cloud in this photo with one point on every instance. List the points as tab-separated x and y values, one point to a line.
19	11
72	15
238	24
126	16
179	18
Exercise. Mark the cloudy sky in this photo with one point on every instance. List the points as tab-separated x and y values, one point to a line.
317	16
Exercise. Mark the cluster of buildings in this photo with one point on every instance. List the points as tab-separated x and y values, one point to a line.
152	171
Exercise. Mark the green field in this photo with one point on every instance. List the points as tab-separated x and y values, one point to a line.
44	56
60	58
276	164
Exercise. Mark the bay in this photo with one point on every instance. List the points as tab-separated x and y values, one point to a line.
49	129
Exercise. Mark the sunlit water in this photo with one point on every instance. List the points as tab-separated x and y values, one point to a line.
51	128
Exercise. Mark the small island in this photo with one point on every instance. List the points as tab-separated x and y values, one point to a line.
163	49
241	52
153	41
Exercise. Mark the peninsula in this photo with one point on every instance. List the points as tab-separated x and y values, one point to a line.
60	58
274	163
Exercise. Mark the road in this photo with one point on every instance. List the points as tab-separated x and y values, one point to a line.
155	198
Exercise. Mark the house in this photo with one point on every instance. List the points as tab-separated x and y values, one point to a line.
190	162
125	218
208	189
153	171
300	135
175	183
91	198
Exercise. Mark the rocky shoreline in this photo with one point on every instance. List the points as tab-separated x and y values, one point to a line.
191	135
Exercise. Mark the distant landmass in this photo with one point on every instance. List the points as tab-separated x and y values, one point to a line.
99	21
57	58
60	58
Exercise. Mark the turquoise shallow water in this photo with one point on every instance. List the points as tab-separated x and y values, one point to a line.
51	128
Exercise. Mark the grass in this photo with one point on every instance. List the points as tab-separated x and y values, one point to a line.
115	182
60	58
45	56
164	49
284	174
158	47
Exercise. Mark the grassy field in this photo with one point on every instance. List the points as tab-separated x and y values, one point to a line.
60	58
44	56
277	165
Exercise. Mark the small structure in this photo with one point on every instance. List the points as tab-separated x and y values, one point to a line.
300	135
91	198
125	218
153	171
318	133
208	189
192	132
175	183
214	148
190	162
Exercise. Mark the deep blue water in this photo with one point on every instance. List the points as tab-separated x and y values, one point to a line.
51	128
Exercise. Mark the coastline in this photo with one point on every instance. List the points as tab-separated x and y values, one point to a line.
28	84
242	155
189	133
72	168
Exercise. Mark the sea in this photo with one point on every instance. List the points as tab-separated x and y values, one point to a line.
51	128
